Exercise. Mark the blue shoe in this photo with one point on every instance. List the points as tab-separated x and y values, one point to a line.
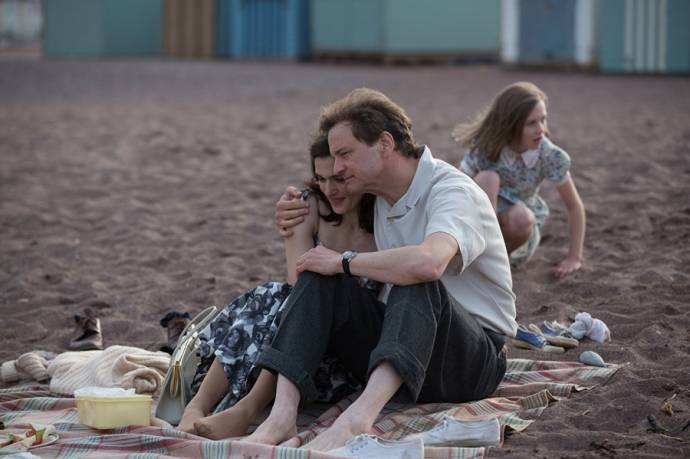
526	339
555	336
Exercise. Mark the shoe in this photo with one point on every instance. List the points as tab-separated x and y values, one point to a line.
555	336
175	323
453	432
369	446
87	333
526	339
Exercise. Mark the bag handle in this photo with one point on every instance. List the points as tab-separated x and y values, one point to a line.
186	343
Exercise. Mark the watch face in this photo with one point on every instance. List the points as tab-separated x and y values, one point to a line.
349	255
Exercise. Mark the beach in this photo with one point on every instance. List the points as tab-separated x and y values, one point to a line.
136	187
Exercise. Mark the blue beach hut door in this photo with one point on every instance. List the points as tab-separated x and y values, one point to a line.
547	31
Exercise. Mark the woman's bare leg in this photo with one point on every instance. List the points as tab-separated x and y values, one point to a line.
213	387
516	225
235	421
489	181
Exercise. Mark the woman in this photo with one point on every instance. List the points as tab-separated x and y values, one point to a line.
336	220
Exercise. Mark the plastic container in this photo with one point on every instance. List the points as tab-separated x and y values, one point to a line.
112	412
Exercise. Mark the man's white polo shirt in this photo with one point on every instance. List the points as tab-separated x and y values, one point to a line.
442	199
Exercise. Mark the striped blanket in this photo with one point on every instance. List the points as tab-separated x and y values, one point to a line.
527	389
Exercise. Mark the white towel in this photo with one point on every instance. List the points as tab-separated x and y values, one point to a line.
115	366
586	325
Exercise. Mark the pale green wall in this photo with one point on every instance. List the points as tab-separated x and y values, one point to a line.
406	26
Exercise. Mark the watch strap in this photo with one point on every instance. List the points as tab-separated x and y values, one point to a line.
347	258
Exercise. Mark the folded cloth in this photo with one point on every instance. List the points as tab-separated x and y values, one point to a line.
34	365
9	373
594	329
31	365
115	366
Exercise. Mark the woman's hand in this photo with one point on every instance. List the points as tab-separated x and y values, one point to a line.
290	211
321	260
567	266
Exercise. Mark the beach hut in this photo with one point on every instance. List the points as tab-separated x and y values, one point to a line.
20	23
95	28
222	24
250	29
644	36
548	32
405	29
189	29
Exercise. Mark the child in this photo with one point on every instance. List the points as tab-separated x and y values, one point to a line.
509	156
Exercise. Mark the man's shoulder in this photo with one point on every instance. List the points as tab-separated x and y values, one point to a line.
445	181
448	176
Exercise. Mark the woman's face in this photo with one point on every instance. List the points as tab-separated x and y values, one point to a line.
533	130
333	186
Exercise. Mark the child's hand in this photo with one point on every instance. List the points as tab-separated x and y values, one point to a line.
567	266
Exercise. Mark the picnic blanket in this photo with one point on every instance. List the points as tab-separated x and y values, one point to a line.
116	366
527	389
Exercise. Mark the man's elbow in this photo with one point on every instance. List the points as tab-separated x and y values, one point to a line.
427	269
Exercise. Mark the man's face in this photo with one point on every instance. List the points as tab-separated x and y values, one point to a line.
356	162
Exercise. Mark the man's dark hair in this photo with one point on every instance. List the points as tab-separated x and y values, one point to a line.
369	113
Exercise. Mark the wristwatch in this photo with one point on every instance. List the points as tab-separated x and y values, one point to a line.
348	256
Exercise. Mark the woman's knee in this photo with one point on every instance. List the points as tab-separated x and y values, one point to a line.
518	222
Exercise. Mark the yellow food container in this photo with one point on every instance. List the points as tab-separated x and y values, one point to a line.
111	412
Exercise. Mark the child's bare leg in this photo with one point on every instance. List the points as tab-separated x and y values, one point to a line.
213	387
281	424
235	421
489	181
359	417
516	226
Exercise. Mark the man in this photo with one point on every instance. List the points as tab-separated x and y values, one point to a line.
438	334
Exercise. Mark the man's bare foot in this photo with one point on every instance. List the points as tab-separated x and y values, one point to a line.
340	432
276	429
191	414
293	442
232	422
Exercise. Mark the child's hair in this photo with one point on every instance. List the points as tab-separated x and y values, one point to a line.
502	122
365	211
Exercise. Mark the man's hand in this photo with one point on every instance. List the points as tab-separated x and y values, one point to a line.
567	266
321	260
290	211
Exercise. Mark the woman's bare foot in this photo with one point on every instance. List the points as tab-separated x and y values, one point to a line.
344	428
232	422
190	415
277	428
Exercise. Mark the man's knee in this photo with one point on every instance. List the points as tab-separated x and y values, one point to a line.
424	297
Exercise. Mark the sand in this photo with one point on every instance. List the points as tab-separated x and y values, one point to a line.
136	187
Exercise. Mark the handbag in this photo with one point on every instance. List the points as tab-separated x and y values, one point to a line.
176	390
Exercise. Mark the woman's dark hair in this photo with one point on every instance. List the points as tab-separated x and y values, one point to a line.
365	212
